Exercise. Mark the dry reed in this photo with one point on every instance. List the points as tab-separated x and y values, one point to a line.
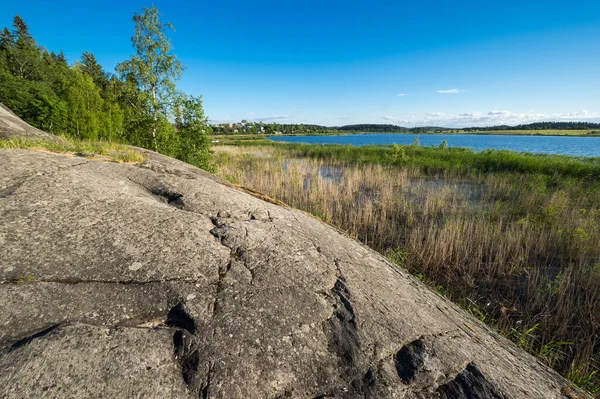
519	254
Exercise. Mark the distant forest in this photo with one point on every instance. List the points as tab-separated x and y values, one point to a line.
540	126
246	127
372	128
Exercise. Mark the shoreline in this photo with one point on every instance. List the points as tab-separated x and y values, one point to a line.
564	133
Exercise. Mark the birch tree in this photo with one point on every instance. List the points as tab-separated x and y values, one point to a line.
154	68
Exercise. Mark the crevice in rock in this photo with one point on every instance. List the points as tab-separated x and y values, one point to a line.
362	386
34	280
221	230
185	344
189	367
179	318
365	384
24	341
317	247
240	254
341	328
174	199
222	274
256	194
469	331
338	270
10	190
286	394
178	340
470	384
162	170
187	354
205	388
409	360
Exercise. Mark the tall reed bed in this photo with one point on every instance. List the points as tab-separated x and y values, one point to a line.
520	250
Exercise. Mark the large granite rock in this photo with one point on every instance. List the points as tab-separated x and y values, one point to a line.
160	280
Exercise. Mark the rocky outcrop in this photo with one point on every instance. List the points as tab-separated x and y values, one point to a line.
160	280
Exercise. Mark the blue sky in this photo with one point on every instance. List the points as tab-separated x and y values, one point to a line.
431	62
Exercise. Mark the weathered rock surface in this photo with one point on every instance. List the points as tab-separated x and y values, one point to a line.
160	280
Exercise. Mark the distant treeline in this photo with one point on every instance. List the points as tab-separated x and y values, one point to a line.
372	128
540	126
246	127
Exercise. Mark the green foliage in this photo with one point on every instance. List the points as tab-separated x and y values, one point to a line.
36	103
586	380
89	66
398	154
192	132
554	351
85	105
140	106
42	89
154	69
524	337
398	256
434	160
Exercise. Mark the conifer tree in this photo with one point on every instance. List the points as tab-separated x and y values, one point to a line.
7	40
24	57
91	67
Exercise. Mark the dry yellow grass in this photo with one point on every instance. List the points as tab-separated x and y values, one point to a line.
97	151
516	252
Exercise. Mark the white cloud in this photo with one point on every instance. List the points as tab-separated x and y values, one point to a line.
451	91
401	95
270	118
491	118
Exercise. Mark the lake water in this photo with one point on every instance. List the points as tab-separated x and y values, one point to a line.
563	145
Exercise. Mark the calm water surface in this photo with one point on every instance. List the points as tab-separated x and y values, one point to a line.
563	145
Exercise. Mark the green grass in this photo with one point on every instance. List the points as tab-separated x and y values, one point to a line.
97	150
435	160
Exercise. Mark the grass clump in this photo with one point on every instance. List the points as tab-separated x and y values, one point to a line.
98	150
456	160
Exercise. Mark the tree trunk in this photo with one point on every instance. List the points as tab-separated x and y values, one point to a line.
154	116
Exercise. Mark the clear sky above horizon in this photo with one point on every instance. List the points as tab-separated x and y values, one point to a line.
433	62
